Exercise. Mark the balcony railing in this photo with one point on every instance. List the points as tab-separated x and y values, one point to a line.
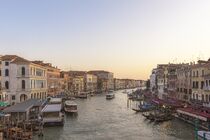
206	88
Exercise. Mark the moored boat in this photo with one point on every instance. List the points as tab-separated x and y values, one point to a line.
146	107
70	107
83	95
130	96
163	117
190	114
110	96
52	115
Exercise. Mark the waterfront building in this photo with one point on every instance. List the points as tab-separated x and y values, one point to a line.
172	79
119	84
127	83
53	78
64	80
153	80
139	83
77	84
207	89
200	72
105	80
160	83
90	83
184	89
22	79
81	81
2	94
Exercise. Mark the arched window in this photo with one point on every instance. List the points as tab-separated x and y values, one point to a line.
23	71
6	72
23	84
7	85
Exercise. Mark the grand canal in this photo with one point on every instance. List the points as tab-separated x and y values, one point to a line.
101	119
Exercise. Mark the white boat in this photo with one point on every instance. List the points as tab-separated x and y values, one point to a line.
204	135
110	96
135	107
125	91
52	114
130	96
70	107
55	101
83	95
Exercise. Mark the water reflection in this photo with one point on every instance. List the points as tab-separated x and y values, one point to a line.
102	119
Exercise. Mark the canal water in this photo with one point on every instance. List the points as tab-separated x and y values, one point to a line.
101	119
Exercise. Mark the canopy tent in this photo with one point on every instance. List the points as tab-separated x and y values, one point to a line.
3	104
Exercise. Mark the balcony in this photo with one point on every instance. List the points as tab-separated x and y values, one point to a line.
23	76
206	88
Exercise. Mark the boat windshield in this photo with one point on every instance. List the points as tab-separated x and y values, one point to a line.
71	107
50	114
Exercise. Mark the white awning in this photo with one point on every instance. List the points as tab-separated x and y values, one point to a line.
206	133
193	115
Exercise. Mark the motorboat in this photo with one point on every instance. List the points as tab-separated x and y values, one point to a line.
52	114
110	96
70	106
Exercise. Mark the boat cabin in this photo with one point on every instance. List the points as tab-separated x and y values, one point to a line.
51	114
70	106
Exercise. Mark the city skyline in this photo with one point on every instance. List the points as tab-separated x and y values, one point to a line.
128	38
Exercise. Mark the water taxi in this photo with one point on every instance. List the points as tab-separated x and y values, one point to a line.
83	95
55	101
52	115
70	107
110	96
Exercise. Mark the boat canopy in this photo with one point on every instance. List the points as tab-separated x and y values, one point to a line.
204	134
24	106
52	108
55	100
194	113
72	103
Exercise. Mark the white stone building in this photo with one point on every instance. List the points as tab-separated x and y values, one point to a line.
21	79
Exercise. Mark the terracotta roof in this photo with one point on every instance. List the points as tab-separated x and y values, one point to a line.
49	65
8	57
20	60
98	71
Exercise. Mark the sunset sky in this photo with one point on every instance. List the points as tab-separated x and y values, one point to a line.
127	37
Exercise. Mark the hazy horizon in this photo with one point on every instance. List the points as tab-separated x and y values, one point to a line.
128	38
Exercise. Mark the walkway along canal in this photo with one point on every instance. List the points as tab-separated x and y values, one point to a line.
101	119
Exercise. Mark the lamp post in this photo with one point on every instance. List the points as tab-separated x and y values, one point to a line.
196	129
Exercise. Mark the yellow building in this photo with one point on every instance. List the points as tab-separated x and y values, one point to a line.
200	72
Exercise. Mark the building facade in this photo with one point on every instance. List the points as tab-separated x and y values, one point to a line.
105	80
21	79
184	87
90	83
153	80
200	72
53	78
